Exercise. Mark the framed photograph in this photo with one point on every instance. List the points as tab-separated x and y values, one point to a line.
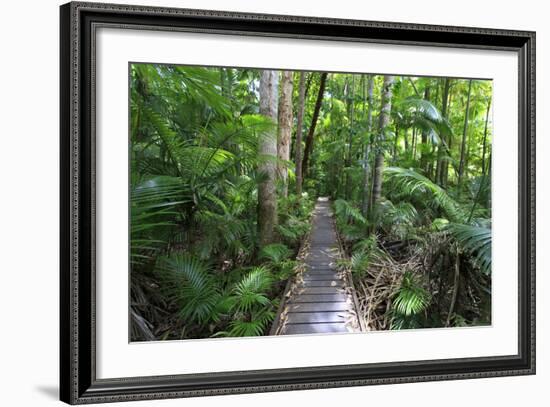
255	203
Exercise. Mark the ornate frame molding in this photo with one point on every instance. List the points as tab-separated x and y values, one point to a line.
77	211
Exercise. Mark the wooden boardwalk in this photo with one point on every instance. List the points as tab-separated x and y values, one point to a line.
320	298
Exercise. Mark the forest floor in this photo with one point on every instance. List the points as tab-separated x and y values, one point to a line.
320	298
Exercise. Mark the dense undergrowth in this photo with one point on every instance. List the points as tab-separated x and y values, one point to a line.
424	261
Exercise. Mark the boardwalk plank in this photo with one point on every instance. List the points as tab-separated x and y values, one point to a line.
326	273
318	298
297	329
321	277
322	283
319	290
319	307
315	317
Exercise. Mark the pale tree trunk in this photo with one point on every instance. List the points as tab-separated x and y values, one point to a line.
311	133
351	102
366	186
483	155
384	120
424	138
441	149
299	130
464	136
267	149
285	129
448	148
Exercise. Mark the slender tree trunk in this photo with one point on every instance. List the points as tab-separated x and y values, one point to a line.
414	143
395	144
384	120
431	165
267	148
424	138
351	101
285	129
299	130
308	84
441	148
450	143
456	282
461	165
366	186
484	153
223	85
311	133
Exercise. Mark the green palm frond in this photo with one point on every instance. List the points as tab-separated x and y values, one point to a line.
476	240
411	182
256	326
424	115
359	263
411	298
153	204
423	106
397	220
275	252
251	291
293	229
191	285
346	212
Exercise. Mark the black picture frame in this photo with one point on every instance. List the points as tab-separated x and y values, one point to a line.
78	382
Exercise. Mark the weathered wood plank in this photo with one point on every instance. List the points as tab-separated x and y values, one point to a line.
318	298
315	317
325	277
319	290
321	267
319	307
322	283
320	272
297	329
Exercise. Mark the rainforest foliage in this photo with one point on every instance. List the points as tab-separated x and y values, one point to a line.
226	165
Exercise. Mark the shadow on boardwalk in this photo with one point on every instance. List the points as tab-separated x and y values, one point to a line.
320	298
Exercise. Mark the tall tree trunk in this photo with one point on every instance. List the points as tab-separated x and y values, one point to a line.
351	101
285	129
267	147
441	148
484	153
424	139
395	144
449	146
366	186
384	120
414	143
311	133
461	165
299	129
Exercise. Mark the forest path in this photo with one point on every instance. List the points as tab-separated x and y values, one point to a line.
320	298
